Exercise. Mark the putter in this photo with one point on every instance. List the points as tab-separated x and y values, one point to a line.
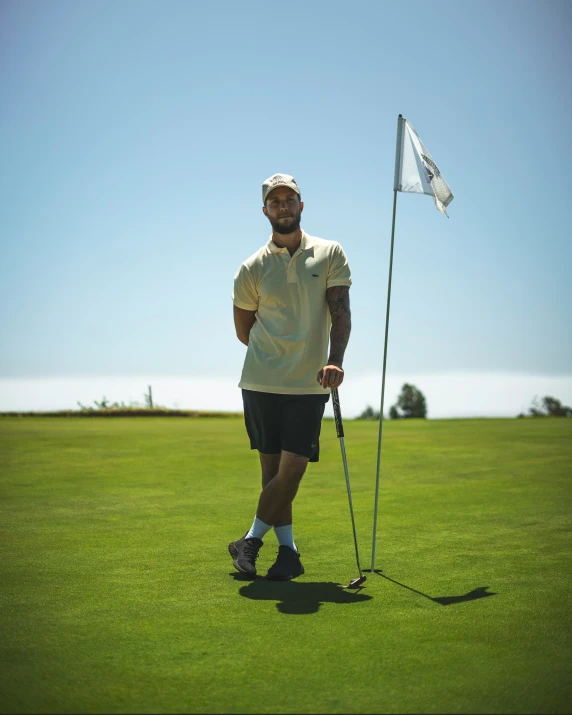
340	430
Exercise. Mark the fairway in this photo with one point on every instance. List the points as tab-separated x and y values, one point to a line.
118	594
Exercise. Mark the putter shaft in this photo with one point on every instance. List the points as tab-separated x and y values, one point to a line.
345	461
340	433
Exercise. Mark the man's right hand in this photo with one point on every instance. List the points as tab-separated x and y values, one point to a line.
330	376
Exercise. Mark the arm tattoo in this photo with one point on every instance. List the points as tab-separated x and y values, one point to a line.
338	298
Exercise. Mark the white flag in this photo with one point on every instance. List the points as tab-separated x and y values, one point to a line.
415	170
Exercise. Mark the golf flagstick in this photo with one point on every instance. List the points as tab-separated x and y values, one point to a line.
340	432
379	437
415	173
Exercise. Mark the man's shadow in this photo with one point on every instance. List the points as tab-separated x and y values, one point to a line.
299	598
480	592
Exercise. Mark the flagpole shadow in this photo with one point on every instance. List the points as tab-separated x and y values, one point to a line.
475	594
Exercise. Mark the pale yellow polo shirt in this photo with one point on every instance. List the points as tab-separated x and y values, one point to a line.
288	343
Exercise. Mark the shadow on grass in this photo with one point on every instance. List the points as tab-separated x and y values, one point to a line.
299	598
476	593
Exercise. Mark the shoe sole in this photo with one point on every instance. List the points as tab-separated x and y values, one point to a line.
233	551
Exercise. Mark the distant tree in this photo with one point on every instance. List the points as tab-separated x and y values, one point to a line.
148	396
85	408
368	414
103	404
410	403
554	408
548	407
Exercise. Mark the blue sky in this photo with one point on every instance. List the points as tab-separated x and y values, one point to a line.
134	138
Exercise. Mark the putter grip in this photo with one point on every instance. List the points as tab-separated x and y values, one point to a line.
337	412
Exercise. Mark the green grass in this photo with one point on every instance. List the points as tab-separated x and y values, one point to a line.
117	593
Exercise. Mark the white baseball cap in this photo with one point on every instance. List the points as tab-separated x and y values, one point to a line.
277	180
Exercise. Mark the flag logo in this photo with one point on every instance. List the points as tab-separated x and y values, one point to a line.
434	171
415	170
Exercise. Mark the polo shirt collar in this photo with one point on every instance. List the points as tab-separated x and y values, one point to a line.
304	243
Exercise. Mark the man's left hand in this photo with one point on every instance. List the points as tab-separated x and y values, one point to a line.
331	376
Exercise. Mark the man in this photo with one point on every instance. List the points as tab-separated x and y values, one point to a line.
290	298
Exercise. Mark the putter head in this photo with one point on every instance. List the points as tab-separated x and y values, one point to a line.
356	583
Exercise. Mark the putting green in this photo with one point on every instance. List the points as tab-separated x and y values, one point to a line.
118	595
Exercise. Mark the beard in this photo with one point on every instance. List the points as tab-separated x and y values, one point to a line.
289	225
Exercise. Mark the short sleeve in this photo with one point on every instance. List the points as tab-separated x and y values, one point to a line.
244	294
339	269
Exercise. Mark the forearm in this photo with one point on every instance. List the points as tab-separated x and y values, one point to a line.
332	374
339	304
244	334
243	323
339	337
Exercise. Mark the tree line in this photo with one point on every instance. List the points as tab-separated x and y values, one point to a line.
411	403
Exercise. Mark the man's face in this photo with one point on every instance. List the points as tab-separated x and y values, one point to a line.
283	209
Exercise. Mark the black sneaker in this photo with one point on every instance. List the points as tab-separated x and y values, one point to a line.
245	552
286	566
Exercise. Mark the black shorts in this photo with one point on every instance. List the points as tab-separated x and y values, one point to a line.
290	422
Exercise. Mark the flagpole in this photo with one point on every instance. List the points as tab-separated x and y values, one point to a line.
396	188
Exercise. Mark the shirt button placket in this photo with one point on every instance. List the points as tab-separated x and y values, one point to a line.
291	270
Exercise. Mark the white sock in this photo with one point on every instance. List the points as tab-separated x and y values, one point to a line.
258	530
285	536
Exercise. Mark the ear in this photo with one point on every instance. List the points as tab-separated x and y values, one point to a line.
301	206
264	211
